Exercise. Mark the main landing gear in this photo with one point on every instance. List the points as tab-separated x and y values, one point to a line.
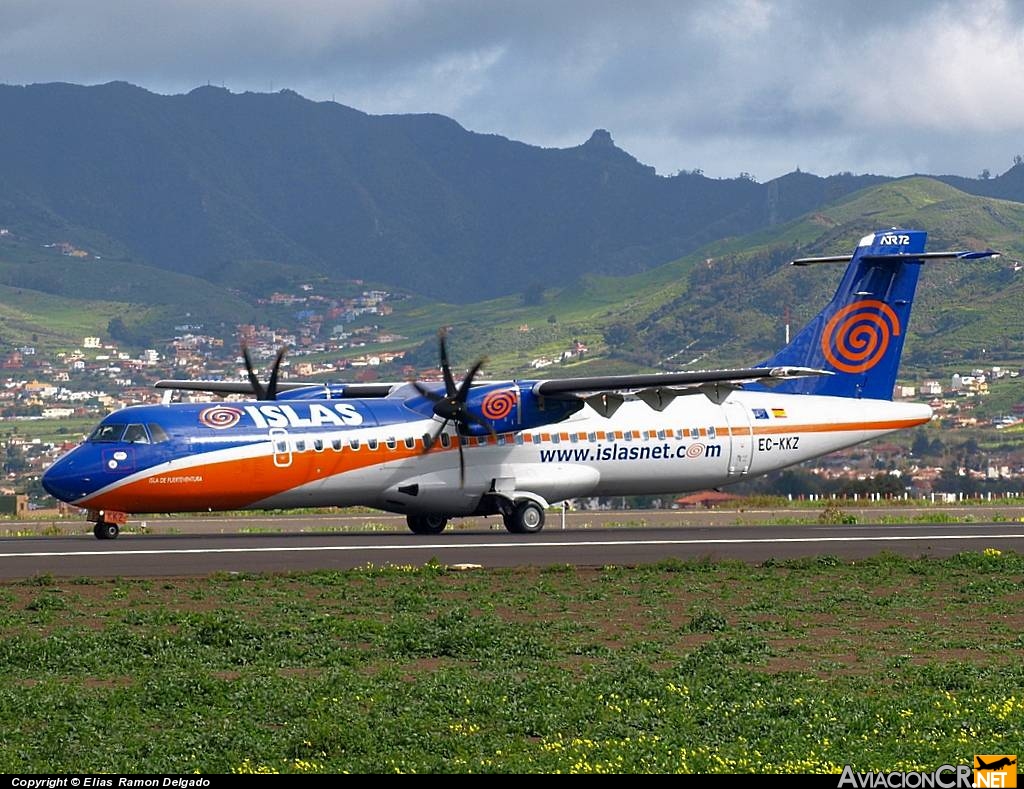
521	517
107	524
524	517
426	524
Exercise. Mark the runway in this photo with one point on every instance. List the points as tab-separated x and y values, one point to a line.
161	555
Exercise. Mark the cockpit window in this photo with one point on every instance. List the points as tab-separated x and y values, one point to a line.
111	432
131	434
136	434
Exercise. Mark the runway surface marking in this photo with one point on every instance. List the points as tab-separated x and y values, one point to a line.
456	545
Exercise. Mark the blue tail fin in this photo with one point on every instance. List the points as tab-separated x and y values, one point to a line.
859	335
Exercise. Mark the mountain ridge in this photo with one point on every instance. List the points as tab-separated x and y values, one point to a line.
195	182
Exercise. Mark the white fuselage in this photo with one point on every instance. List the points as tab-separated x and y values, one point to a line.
693	444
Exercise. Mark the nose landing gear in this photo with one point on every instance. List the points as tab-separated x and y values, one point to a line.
107	523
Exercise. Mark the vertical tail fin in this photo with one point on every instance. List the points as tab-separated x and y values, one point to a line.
859	335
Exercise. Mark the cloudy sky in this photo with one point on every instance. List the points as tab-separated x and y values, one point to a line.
725	86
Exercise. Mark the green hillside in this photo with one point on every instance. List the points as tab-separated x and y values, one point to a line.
51	300
725	304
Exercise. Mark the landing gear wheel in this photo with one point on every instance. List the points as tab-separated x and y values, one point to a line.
426	524
105	531
526	518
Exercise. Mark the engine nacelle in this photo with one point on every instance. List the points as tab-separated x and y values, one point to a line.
509	407
314	392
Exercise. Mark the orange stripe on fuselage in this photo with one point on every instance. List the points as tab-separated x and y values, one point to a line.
239	482
833	427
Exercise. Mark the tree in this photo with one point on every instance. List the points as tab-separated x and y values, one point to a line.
882	484
14	461
620	335
796	482
533	294
117	329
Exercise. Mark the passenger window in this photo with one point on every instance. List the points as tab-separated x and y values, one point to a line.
318	444
391	442
300	445
336	444
371	444
410	442
353	443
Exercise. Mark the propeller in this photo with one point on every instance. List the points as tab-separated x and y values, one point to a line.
268	392
451	406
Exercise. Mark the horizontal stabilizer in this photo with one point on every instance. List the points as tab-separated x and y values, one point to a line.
898	256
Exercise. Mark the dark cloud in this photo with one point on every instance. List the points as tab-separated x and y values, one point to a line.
724	86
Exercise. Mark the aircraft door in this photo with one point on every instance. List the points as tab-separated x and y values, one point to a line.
282	447
741	442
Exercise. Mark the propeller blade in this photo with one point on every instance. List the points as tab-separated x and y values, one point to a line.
462	464
471	417
271	393
427	393
446	370
257	387
467	382
451	407
430	440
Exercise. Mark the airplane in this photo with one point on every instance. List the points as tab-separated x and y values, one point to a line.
435	451
998	764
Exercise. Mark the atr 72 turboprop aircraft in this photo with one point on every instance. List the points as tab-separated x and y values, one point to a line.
508	448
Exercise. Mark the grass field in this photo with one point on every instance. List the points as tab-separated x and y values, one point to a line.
788	667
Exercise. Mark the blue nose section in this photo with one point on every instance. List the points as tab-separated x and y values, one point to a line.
71	477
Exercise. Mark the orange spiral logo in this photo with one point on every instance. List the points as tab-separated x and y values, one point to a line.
857	336
220	417
498	405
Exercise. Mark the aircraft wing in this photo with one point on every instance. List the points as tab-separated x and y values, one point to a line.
245	388
606	393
